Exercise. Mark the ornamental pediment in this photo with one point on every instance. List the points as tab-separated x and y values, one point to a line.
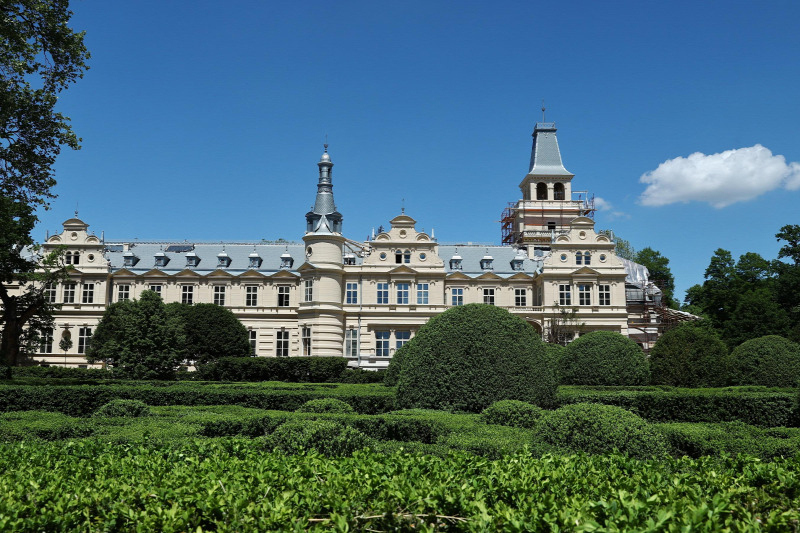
489	275
187	273
154	272
458	276
585	271
402	269
283	274
252	274
219	273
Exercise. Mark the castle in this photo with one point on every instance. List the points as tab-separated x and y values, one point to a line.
333	296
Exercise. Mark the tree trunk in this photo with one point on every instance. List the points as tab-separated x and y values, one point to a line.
9	349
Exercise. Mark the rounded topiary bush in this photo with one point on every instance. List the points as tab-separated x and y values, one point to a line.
599	429
472	356
512	413
326	405
772	361
688	356
603	358
123	408
324	436
392	374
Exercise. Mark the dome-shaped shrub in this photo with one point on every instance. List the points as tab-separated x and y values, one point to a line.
603	358
325	436
599	429
471	356
392	374
512	413
771	361
688	356
326	405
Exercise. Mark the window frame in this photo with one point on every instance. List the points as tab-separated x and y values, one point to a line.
520	297
87	293
351	342
564	294
70	288
488	295
604	294
402	291
252	336
351	293
382	340
84	338
155	287
305	337
46	340
423	293
123	292
284	298
251	295
308	290
219	295
584	294
282	343
457	296
401	337
187	294
382	293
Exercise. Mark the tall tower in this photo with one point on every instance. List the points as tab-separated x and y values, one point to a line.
547	205
320	308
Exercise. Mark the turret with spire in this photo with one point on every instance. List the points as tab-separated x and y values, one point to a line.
323	217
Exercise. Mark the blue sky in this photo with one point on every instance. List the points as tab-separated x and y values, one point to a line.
205	120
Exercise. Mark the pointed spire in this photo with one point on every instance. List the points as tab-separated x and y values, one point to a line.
323	217
545	154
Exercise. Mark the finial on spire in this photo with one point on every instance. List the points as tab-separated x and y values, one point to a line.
326	143
543	109
402	206
76	209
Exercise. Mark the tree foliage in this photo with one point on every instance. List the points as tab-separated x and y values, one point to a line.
660	273
139	338
471	356
212	332
40	56
603	358
689	355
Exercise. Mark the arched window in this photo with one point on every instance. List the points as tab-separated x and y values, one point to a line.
579	258
68	258
398	257
407	256
587	259
541	191
558	191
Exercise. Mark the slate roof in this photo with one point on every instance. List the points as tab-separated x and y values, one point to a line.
472	254
545	155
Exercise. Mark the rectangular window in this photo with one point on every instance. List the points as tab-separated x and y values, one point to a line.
351	343
251	296
50	293
584	294
587	259
219	294
282	343
84	335
283	296
382	343
123	292
564	295
253	340
458	296
422	294
402	293
69	293
401	337
309	290
46	341
306	336
488	296
187	294
604	292
383	293
88	293
351	294
156	289
520	297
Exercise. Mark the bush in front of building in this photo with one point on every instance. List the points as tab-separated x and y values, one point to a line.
289	369
211	332
554	353
689	355
771	361
603	358
392	374
512	413
471	356
599	429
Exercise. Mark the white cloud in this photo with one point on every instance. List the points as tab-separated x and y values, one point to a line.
601	204
719	179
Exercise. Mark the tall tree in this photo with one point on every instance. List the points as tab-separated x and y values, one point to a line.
622	248
40	56
660	273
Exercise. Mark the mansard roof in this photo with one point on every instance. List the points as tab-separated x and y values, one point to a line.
471	255
545	155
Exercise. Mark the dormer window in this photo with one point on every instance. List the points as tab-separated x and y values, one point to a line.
192	260
286	260
518	262
487	262
161	259
455	262
349	259
129	259
223	260
255	260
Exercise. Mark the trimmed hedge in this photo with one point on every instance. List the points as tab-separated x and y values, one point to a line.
471	356
554	353
603	358
83	400
123	408
688	356
771	361
512	413
60	372
289	369
326	405
757	406
599	429
732	438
